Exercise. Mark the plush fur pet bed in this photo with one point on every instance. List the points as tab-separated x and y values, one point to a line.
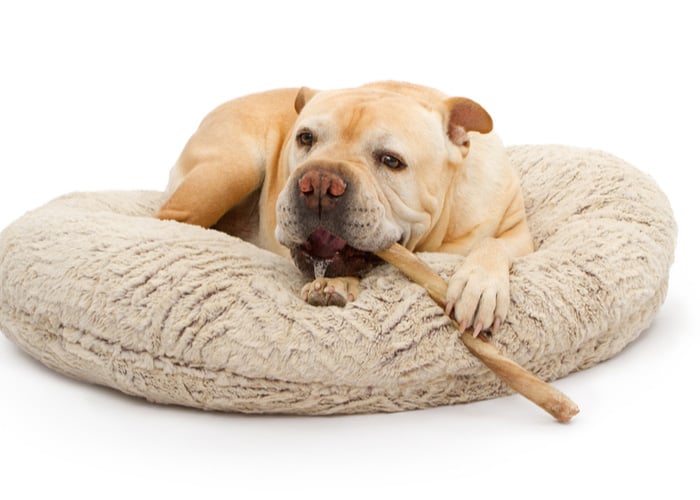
95	288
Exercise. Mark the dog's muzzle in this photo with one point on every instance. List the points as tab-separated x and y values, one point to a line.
321	190
328	226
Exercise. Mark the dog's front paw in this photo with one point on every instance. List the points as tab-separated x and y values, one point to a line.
479	291
331	291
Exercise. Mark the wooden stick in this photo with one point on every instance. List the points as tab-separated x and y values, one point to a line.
518	378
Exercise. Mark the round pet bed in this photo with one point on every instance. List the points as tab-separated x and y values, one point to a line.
97	289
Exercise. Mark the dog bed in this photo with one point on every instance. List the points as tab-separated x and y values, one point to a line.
97	289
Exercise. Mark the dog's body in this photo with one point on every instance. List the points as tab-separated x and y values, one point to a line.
333	176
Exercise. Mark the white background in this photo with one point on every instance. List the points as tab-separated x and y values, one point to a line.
100	95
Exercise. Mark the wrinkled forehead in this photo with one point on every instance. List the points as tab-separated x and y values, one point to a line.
358	113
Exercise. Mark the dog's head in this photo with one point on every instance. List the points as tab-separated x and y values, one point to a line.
369	167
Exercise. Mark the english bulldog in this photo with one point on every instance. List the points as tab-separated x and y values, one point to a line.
329	177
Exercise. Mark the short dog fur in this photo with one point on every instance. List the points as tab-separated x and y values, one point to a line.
328	177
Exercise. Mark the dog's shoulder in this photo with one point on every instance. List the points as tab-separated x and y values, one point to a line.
253	109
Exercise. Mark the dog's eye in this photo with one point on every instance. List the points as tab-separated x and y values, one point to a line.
305	138
391	161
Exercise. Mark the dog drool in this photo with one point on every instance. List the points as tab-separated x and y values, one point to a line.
326	246
324	254
320	266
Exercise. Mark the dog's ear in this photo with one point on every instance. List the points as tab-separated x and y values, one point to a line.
466	116
303	96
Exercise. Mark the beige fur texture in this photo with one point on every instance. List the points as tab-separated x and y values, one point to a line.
97	289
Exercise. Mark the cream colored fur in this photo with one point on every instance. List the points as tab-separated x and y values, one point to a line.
241	172
96	288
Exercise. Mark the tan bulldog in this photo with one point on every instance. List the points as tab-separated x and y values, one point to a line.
329	177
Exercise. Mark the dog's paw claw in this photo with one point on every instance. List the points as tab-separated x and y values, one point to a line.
479	295
331	291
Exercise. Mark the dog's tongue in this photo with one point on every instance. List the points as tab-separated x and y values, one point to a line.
323	244
325	254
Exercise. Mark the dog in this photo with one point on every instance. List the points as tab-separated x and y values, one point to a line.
329	177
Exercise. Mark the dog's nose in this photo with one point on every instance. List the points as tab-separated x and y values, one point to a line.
321	188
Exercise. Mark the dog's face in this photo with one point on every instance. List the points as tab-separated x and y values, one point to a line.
368	168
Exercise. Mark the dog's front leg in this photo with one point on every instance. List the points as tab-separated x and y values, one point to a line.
331	291
479	290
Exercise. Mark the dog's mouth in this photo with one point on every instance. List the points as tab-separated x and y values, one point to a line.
325	254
